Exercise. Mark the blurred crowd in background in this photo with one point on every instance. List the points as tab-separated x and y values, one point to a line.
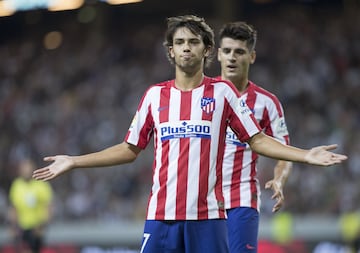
72	87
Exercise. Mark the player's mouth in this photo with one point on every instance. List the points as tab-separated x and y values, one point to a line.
186	56
231	67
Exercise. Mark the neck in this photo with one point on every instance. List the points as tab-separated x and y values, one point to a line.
240	83
186	81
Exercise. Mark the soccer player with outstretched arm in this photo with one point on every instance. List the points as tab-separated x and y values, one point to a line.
188	117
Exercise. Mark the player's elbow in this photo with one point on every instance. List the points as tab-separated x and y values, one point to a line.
256	141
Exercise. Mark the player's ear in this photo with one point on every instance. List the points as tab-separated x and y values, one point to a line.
218	54
171	52
252	56
207	51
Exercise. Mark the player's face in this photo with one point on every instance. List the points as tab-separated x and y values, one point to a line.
188	50
235	59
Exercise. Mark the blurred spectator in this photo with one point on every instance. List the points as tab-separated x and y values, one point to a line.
30	209
331	247
282	228
350	230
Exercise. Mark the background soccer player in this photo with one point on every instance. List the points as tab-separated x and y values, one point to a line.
241	186
187	117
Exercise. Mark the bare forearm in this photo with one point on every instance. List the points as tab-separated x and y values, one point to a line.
268	146
282	171
115	155
118	154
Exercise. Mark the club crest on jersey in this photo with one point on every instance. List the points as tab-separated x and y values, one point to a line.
244	109
208	105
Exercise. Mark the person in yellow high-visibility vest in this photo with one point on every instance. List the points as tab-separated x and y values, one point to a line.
349	224
282	225
30	208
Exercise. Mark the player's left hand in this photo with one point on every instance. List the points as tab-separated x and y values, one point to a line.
322	156
278	194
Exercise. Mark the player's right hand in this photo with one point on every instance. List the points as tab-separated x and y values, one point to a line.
278	194
59	165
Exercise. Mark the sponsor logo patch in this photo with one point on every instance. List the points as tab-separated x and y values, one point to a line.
185	129
231	138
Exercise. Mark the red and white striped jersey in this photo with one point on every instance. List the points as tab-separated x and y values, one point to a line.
189	129
240	186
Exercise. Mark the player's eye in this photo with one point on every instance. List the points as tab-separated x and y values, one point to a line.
226	50
178	42
195	42
240	52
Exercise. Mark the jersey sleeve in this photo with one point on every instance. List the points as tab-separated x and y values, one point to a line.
276	125
141	128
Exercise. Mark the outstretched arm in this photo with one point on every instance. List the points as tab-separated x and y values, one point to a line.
281	174
320	155
115	155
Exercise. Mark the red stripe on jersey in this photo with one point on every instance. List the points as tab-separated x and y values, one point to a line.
163	173
250	101
265	123
183	161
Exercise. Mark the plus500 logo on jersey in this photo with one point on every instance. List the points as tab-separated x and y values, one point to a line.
185	129
231	138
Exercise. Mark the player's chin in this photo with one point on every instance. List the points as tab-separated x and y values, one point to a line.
232	73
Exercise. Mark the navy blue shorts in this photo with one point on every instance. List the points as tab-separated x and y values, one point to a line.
205	236
243	227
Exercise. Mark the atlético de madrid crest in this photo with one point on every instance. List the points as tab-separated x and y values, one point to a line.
208	104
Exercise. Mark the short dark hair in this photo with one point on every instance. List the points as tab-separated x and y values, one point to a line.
239	31
196	25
